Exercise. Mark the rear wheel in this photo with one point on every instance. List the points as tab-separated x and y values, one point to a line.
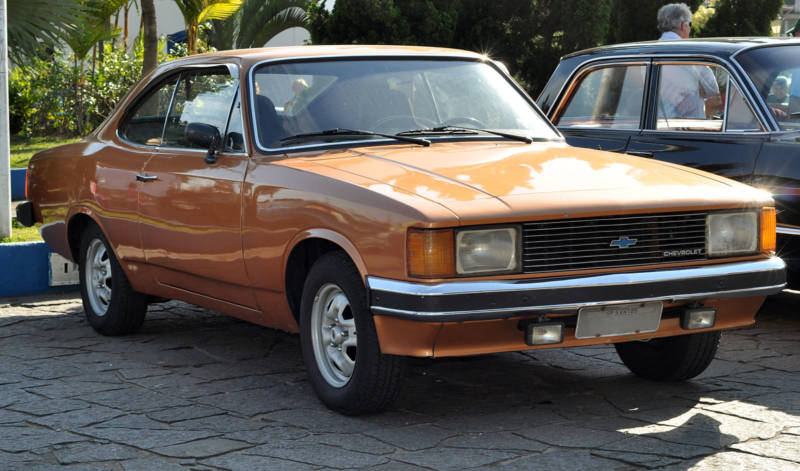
340	345
112	307
671	358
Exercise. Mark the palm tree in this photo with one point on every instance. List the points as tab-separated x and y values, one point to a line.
150	59
258	21
33	24
197	11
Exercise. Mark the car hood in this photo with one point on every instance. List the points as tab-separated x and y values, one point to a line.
503	180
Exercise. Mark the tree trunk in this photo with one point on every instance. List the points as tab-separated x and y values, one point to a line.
125	26
191	38
150	60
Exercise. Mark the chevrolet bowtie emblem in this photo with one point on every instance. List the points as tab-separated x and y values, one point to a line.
623	242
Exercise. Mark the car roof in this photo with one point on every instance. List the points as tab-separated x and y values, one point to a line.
247	57
722	47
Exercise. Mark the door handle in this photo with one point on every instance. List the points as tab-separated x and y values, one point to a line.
639	153
146	178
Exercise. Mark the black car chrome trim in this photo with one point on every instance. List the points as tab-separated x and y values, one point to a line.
403	56
476	300
788	230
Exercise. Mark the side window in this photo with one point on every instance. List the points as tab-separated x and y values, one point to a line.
144	124
740	116
234	136
609	97
691	97
203	96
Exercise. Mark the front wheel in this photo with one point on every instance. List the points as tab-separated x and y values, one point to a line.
671	358
112	307
340	345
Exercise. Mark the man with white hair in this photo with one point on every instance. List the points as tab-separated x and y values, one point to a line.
686	91
674	21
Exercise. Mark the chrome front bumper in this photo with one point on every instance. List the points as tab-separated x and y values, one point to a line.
496	299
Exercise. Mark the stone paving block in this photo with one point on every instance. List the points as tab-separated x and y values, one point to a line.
734	461
22	438
142	401
202	448
244	462
318	455
79	418
185	413
222	423
655	446
352	442
145	439
783	447
557	460
153	464
93	452
415	437
455	459
41	407
268	434
320	420
571	436
133	421
74	388
495	441
636	460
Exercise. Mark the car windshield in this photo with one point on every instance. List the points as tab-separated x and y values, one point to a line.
775	71
308	103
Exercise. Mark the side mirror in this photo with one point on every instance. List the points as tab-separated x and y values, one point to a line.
205	136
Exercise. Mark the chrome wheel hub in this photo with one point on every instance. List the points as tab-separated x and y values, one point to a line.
97	277
333	335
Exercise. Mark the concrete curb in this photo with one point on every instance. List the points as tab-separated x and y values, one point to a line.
32	268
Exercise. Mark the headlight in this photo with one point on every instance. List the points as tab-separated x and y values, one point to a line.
493	250
731	233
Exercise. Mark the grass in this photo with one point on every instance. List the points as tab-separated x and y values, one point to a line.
23	149
20	233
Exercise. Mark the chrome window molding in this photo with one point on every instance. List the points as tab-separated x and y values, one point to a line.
788	230
406	56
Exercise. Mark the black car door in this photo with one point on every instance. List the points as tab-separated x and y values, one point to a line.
603	106
709	126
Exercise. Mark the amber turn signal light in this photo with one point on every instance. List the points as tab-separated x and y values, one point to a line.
430	253
768	227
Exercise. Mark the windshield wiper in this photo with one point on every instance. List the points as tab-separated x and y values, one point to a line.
466	130
355	132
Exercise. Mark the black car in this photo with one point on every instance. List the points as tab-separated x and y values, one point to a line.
727	106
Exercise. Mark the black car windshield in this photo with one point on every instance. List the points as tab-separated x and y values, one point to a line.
298	103
775	71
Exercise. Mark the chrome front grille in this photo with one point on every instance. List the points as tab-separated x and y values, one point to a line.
583	244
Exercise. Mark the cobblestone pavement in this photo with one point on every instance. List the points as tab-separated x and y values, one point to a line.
195	390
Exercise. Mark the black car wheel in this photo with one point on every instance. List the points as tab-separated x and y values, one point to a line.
340	345
671	358
112	307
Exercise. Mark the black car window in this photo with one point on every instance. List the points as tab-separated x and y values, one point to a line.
691	97
202	96
234	135
739	116
608	97
144	123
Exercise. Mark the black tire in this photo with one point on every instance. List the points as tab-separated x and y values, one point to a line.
359	379
112	307
671	358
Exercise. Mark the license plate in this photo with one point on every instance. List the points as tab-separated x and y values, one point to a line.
618	319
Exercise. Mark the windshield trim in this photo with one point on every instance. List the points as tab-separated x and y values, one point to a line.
441	57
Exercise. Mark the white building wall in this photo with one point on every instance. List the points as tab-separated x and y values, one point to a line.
169	20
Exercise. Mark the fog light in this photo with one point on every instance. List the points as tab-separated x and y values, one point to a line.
545	334
699	318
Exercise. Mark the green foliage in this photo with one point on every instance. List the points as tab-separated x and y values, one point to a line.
529	37
36	25
20	233
23	149
635	20
53	97
742	18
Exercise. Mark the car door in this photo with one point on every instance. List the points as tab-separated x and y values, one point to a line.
191	206
603	106
712	128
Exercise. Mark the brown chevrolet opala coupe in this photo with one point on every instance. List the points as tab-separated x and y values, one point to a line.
393	202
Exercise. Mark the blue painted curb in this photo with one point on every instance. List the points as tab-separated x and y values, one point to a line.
25	269
18	183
